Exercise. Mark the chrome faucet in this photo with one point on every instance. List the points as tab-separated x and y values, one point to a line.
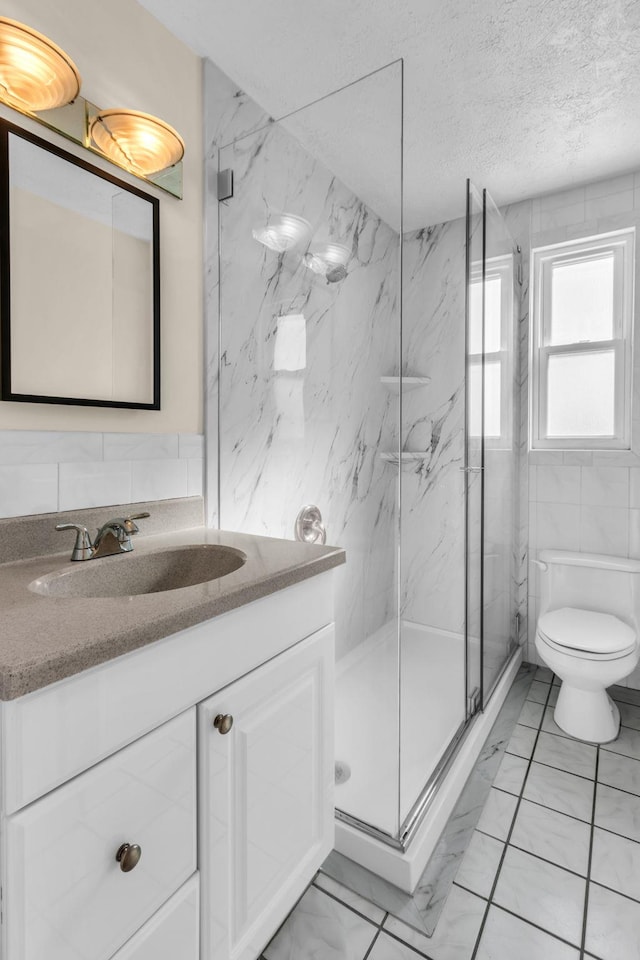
113	537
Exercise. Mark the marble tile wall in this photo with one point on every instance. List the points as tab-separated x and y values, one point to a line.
309	431
228	114
433	490
580	500
518	220
47	471
433	532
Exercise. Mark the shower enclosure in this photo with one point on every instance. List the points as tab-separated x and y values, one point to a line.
367	365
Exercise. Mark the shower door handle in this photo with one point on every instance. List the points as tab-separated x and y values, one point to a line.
471	469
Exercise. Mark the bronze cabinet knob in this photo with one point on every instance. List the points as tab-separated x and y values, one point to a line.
128	856
223	722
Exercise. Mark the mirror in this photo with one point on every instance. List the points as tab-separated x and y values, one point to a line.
79	273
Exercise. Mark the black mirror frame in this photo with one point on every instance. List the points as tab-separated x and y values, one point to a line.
6	392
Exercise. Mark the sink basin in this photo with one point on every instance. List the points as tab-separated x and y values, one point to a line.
132	574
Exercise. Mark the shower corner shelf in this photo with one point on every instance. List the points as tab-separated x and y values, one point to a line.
407	456
393	384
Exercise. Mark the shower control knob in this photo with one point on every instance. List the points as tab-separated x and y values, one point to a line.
223	722
309	526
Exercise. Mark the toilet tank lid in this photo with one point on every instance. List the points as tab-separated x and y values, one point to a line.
600	560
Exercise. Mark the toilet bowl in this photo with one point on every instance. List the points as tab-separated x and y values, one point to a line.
587	633
589	651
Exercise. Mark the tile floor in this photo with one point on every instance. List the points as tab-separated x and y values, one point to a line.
552	871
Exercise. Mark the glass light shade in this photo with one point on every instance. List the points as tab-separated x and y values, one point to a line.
137	141
282	232
35	74
329	260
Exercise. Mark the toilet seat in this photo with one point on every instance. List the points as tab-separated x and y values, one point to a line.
586	634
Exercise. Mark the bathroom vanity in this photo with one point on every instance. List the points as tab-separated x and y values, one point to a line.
167	794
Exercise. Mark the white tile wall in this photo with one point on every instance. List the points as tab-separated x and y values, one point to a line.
585	500
93	484
28	488
46	471
158	479
140	446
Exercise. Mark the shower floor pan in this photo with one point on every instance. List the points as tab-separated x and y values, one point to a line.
376	794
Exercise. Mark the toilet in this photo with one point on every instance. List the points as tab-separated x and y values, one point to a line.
587	633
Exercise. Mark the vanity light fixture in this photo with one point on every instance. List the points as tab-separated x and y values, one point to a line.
329	260
136	141
35	74
282	232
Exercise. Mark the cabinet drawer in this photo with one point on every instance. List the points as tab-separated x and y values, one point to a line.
66	895
172	933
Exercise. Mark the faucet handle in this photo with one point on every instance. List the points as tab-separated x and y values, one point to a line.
83	548
128	522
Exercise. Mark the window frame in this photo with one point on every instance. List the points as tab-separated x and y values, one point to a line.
621	245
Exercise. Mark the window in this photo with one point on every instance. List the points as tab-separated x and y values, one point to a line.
498	317
581	343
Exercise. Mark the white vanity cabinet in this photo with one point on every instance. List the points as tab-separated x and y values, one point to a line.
67	895
265	796
232	825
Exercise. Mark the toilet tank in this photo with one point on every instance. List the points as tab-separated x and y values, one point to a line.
590	581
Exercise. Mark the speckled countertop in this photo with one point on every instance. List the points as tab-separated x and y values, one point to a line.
44	639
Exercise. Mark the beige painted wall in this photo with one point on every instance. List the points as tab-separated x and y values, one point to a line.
99	317
128	59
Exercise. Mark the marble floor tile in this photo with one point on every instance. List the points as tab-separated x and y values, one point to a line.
613	925
627	743
553	696
531	714
321	927
538	692
549	724
615	863
371	887
540	892
618	771
498	814
560	791
568	755
388	948
353	900
506	937
618	812
522	741
511	773
456	932
630	715
625	695
480	864
544	675
552	836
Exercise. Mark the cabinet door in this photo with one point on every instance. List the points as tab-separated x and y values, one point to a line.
172	933
266	800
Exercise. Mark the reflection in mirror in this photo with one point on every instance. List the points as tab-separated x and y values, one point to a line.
80	304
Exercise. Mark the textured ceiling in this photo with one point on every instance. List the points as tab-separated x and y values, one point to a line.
523	96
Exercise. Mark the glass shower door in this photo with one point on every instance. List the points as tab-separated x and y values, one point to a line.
492	465
474	446
500	476
309	385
